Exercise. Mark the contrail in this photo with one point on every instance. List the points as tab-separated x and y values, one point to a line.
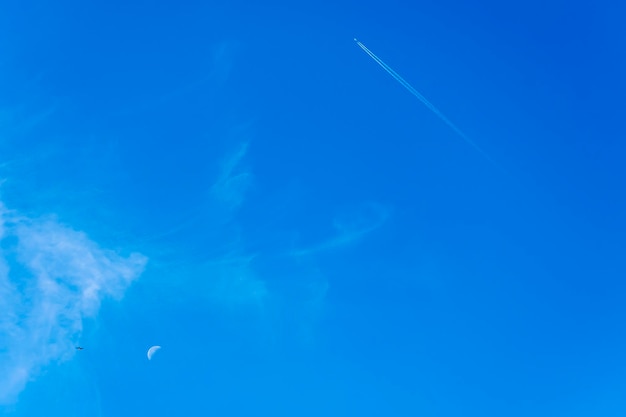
423	99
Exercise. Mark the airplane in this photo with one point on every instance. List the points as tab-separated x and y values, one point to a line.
79	348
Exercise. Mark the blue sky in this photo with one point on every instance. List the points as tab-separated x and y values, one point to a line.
242	185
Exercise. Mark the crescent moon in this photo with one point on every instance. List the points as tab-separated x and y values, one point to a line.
152	350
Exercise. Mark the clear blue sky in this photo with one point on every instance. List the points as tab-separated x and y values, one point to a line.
241	184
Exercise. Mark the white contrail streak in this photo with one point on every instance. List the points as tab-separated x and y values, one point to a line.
423	99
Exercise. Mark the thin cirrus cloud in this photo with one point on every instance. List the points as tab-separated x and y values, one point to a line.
216	262
233	279
51	278
233	181
350	228
235	284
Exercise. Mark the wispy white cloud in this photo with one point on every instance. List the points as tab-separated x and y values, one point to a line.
233	181
350	228
233	281
235	284
51	278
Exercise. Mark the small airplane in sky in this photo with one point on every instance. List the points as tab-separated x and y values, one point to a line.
79	348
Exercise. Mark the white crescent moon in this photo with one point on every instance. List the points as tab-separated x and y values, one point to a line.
152	350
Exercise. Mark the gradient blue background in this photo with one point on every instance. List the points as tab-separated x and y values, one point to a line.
448	287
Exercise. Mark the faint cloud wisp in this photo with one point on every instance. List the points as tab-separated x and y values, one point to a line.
51	278
350	228
233	182
233	282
